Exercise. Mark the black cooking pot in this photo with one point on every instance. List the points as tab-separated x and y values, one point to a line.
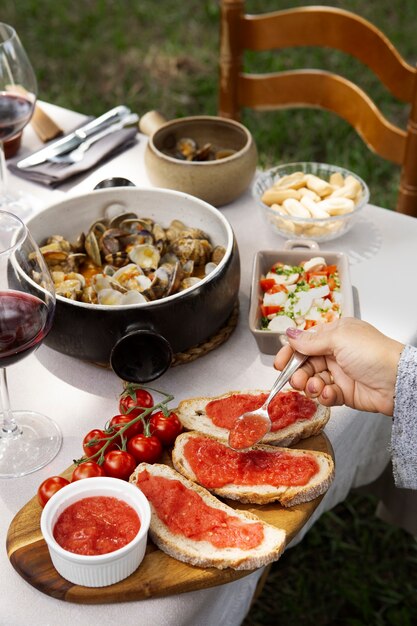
139	340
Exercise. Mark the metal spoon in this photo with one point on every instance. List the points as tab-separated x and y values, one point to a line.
250	427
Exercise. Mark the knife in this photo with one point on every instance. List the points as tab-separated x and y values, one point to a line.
74	139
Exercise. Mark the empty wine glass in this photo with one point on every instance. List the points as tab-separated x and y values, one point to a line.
28	440
18	91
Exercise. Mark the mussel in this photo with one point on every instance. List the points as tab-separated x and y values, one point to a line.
126	259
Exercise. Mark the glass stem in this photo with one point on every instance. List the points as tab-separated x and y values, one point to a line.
3	174
9	428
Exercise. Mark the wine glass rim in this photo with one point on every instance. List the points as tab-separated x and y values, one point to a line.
9	29
21	235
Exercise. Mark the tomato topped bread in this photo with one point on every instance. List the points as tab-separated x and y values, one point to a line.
192	525
293	415
260	475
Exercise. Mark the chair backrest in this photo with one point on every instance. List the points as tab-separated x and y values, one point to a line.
325	27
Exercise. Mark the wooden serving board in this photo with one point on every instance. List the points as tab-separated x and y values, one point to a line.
158	574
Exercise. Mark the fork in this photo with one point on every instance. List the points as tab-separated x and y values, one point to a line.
252	426
78	153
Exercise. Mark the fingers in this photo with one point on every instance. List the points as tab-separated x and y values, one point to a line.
322	388
282	357
314	365
314	378
320	340
331	395
311	366
316	384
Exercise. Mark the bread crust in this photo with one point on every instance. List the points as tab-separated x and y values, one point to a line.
191	413
263	494
203	553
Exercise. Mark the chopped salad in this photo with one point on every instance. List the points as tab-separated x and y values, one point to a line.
300	296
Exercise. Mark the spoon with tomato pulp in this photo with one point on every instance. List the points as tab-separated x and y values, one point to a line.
250	427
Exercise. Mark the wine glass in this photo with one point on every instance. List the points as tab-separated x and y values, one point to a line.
18	91
28	440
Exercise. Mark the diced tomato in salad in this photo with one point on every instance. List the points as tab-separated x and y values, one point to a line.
300	296
270	310
267	283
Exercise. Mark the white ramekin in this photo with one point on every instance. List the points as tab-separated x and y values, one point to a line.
103	569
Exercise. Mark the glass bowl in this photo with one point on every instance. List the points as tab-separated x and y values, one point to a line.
302	207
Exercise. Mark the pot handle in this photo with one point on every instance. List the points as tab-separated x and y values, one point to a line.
141	356
292	244
114	182
151	122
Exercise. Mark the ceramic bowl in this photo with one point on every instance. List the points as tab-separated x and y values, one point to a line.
292	226
139	340
269	342
103	569
217	181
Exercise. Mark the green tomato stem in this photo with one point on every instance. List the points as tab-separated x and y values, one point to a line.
99	456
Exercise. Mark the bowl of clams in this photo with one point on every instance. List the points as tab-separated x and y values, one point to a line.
209	157
140	275
307	200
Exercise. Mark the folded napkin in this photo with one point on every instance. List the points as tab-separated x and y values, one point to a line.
53	175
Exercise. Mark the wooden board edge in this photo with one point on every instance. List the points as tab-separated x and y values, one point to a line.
27	548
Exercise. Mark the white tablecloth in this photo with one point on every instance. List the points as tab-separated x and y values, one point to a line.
79	396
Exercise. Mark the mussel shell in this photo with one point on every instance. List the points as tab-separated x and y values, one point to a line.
198	250
117	220
146	256
166	280
187	147
92	248
133	223
217	254
91	331
204	153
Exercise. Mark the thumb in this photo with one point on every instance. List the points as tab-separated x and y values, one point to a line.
317	342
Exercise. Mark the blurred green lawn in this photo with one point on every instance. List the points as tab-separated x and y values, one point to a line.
90	55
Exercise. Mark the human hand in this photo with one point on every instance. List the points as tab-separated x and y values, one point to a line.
351	363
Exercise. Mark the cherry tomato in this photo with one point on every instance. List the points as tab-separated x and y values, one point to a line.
134	401
145	449
118	421
88	469
119	463
165	428
50	486
96	434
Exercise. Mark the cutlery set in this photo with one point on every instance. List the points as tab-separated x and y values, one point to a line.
72	148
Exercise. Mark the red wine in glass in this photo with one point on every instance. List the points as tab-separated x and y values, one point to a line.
24	322
18	91
15	113
28	439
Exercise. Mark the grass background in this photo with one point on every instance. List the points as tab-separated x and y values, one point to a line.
90	55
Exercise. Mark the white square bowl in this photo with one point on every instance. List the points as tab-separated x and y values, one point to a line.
294	252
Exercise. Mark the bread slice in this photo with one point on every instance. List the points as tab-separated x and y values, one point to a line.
193	416
262	493
201	552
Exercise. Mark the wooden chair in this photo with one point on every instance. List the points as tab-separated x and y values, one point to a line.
330	28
